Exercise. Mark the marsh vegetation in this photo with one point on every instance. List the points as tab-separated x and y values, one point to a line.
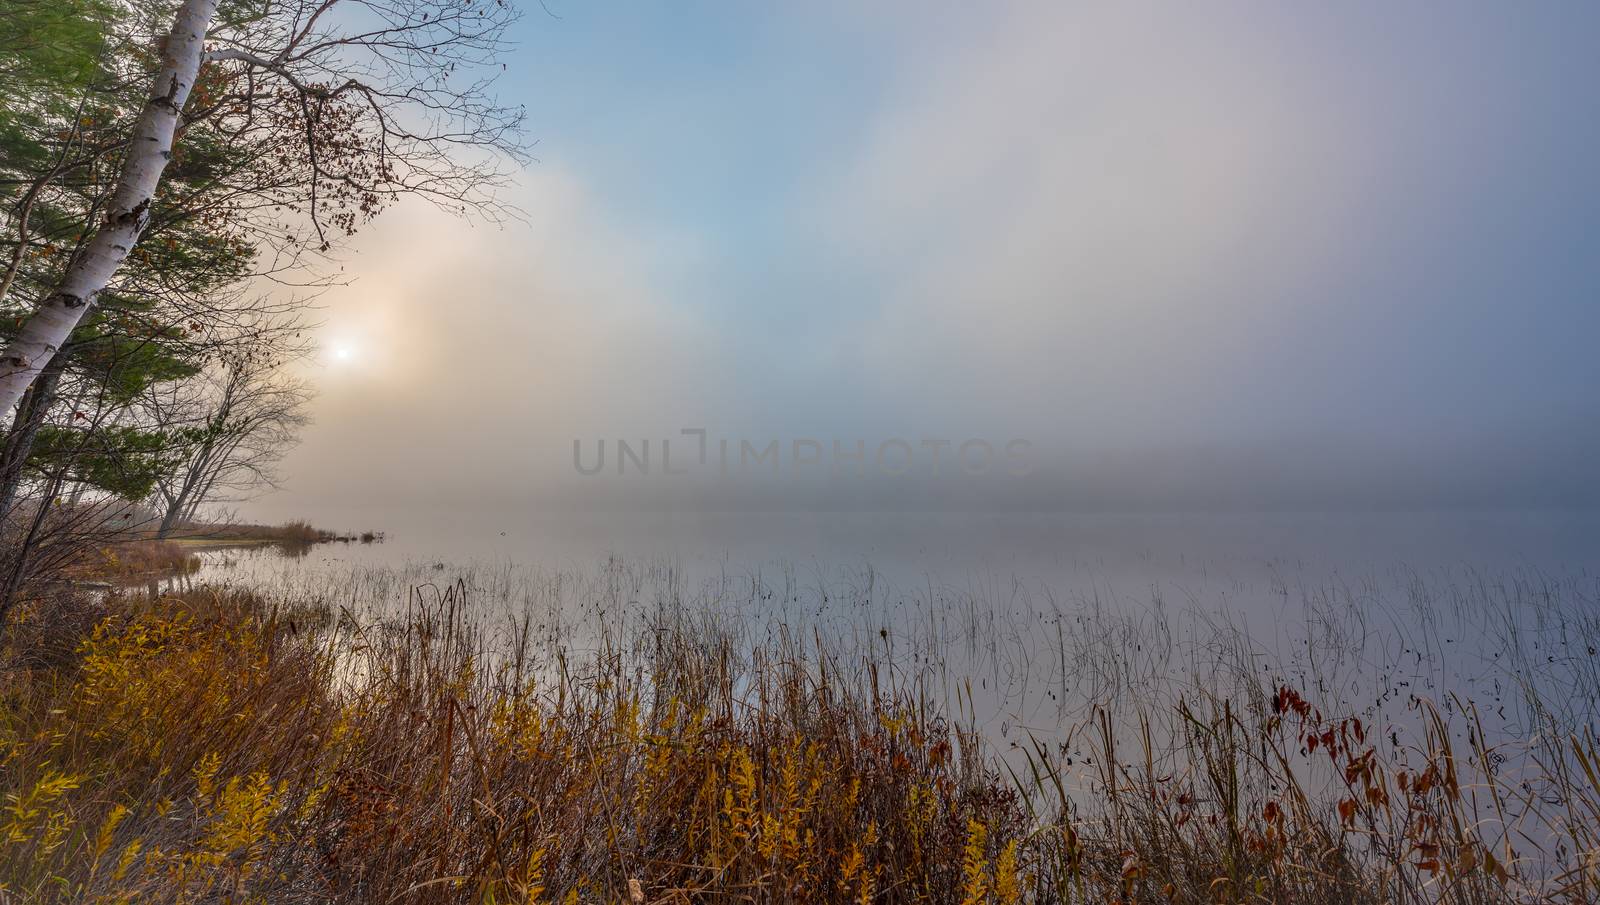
620	733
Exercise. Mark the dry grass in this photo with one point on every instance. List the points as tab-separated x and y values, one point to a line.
209	748
1232	811
136	559
203	749
294	533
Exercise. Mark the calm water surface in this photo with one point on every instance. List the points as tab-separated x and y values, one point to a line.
1021	626
1062	550
1041	615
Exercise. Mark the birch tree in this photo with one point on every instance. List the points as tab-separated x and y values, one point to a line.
340	106
44	332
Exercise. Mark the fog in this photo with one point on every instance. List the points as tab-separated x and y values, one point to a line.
1206	257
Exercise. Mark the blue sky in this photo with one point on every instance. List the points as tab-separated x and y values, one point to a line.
1346	248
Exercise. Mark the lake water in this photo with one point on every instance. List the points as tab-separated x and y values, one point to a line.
1021	626
1061	549
1044	613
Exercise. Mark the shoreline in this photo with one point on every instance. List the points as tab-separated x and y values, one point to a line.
139	559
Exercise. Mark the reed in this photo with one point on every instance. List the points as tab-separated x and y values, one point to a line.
133	559
217	746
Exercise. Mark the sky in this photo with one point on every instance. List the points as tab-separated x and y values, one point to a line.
1230	255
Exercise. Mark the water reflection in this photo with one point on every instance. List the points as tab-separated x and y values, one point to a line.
1024	628
1028	620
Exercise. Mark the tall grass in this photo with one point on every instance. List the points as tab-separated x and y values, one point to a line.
207	749
133	559
292	532
215	746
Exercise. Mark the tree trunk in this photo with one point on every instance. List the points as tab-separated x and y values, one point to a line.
180	505
24	428
169	520
48	327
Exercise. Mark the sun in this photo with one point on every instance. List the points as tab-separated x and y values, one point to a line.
345	350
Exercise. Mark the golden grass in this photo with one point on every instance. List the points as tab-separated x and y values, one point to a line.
127	560
133	558
208	748
295	532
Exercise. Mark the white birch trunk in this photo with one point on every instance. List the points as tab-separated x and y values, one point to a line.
48	327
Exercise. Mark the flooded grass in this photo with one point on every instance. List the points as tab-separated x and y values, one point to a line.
497	734
132	560
292	534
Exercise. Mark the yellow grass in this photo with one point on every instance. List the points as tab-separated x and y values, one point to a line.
128	560
209	748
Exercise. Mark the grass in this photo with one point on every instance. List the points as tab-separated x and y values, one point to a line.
136	558
215	746
140	558
205	749
130	560
293	533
